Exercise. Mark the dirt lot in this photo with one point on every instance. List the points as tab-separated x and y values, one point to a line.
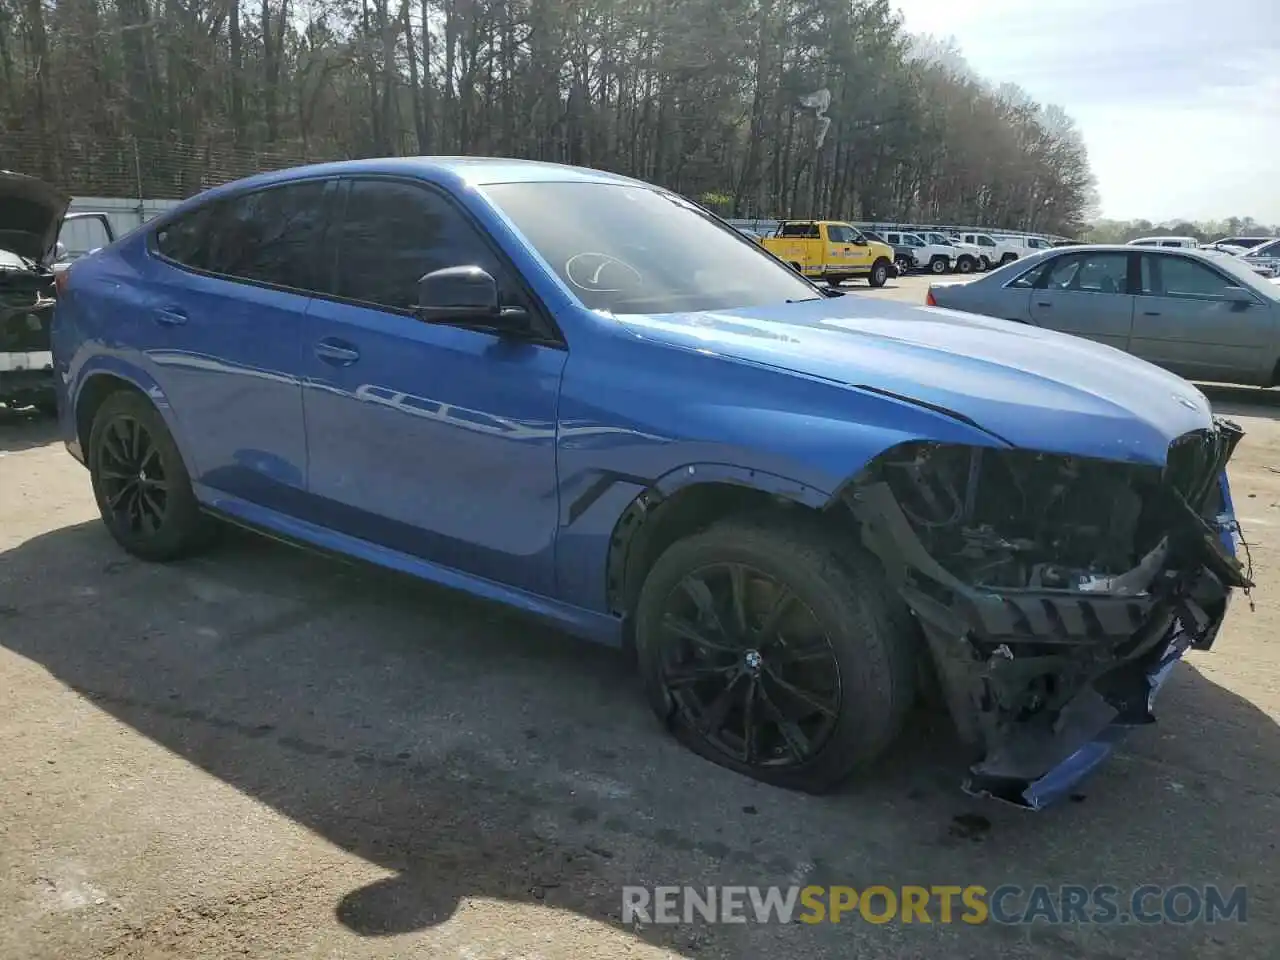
262	753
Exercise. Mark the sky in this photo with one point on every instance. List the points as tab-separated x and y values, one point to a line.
1178	100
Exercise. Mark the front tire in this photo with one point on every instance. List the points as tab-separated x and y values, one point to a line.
767	651
1008	258
938	265
984	264
964	265
140	482
879	273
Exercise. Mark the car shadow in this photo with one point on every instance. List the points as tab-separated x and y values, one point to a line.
1240	401
23	428
477	754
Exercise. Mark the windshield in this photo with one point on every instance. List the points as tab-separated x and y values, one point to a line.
633	249
941	240
1269	249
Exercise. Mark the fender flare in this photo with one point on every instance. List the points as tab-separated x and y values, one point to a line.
105	365
632	519
690	474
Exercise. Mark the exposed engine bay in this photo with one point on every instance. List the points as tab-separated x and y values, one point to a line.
1054	592
26	310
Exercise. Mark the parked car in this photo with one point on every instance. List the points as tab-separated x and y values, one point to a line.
831	251
992	251
1264	258
967	256
1245	243
796	504
1189	243
934	257
31	216
1202	315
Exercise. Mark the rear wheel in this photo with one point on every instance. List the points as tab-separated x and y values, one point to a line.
879	273
765	651
140	482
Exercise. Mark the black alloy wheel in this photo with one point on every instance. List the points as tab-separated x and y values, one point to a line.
132	475
751	667
141	483
768	646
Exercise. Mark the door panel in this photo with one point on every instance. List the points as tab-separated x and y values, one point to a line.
1183	322
1084	295
227	351
427	438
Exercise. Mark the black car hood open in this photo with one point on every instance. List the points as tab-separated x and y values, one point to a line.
31	213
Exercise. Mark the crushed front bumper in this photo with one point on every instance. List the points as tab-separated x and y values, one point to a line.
1043	682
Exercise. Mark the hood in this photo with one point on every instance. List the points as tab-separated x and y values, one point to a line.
1033	388
31	213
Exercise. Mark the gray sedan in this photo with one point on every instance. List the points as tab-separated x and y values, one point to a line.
1202	314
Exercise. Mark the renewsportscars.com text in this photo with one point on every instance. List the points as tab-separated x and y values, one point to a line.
973	904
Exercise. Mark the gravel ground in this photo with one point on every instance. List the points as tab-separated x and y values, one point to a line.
268	754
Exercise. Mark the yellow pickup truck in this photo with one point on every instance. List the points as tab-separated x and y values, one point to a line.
831	251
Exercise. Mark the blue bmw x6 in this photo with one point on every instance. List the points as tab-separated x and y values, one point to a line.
587	398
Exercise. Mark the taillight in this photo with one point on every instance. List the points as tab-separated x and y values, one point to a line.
60	281
929	301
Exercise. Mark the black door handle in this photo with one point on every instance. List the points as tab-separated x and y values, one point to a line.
1151	313
1043	303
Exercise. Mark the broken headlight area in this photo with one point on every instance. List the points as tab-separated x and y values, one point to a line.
1054	591
26	308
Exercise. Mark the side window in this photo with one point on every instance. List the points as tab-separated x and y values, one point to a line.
839	233
1031	277
1148	281
393	233
985	241
271	236
807	231
185	240
1102	273
1184	277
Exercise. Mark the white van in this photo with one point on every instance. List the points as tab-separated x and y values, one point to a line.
1191	242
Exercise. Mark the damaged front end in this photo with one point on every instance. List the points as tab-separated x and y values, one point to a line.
1055	592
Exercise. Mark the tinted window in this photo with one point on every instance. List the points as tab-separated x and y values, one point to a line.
805	230
393	233
270	236
1089	273
1183	277
839	233
635	249
185	240
1032	276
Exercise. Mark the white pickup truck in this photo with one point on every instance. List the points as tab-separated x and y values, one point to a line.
967	254
934	257
992	252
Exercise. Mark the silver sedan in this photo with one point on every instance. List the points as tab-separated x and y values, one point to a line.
1202	314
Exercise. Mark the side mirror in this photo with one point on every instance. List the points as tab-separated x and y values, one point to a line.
1237	295
458	293
860	242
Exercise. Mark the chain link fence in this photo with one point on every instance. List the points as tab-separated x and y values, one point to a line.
126	167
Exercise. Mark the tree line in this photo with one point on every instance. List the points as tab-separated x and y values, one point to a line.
1206	231
702	96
